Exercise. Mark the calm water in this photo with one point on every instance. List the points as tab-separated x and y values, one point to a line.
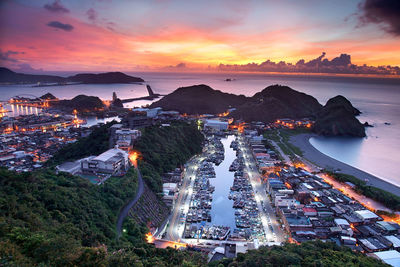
378	99
222	212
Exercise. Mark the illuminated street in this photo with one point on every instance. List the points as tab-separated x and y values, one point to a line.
176	225
268	217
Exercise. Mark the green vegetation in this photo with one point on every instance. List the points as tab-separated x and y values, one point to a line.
96	143
386	198
282	138
166	148
315	253
50	219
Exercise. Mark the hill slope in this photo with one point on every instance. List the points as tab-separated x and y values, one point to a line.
276	102
337	117
199	99
273	102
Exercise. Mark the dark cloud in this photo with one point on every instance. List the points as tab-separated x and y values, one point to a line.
7	56
61	26
92	14
56	7
384	12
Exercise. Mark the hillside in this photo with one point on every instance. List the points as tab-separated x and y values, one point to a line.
273	102
81	103
313	253
199	99
337	117
49	219
163	149
276	102
9	76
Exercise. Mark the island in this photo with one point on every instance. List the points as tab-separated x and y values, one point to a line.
8	76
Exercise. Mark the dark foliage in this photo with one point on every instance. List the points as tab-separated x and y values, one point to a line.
315	253
95	144
166	148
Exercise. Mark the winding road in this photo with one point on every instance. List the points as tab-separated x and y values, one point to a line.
124	212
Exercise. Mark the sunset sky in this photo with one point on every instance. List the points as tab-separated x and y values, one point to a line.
139	35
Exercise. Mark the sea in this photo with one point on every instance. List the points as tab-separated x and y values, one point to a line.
377	98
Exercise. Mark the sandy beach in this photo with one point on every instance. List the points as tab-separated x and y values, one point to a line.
324	161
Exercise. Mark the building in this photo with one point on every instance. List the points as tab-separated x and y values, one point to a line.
137	119
391	257
124	138
170	193
216	125
114	161
366	215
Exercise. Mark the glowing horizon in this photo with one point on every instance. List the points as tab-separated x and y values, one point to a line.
151	35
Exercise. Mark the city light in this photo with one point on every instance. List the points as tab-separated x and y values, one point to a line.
150	238
133	156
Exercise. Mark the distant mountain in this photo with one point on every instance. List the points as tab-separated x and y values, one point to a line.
337	117
9	76
108	77
275	102
199	99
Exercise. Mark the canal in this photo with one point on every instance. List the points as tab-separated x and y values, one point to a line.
222	212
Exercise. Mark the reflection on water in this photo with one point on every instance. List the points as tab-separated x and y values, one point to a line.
367	154
222	212
345	149
18	110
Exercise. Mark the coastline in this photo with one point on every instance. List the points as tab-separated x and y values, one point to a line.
320	159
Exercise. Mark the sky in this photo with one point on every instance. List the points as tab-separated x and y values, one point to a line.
128	35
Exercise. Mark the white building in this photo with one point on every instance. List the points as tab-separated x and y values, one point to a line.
366	215
391	257
216	125
112	162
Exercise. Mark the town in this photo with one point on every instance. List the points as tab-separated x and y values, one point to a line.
273	201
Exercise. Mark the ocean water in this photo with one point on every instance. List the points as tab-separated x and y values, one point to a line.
377	99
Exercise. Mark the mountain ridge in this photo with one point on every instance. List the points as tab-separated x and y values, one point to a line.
9	76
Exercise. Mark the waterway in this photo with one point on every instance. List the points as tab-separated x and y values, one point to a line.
222	212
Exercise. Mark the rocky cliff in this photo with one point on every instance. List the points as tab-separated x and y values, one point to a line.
337	117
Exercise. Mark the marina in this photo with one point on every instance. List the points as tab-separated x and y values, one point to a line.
222	205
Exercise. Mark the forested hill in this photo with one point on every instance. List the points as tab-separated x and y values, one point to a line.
166	148
51	219
312	253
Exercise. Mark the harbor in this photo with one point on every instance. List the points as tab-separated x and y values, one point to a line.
222	204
